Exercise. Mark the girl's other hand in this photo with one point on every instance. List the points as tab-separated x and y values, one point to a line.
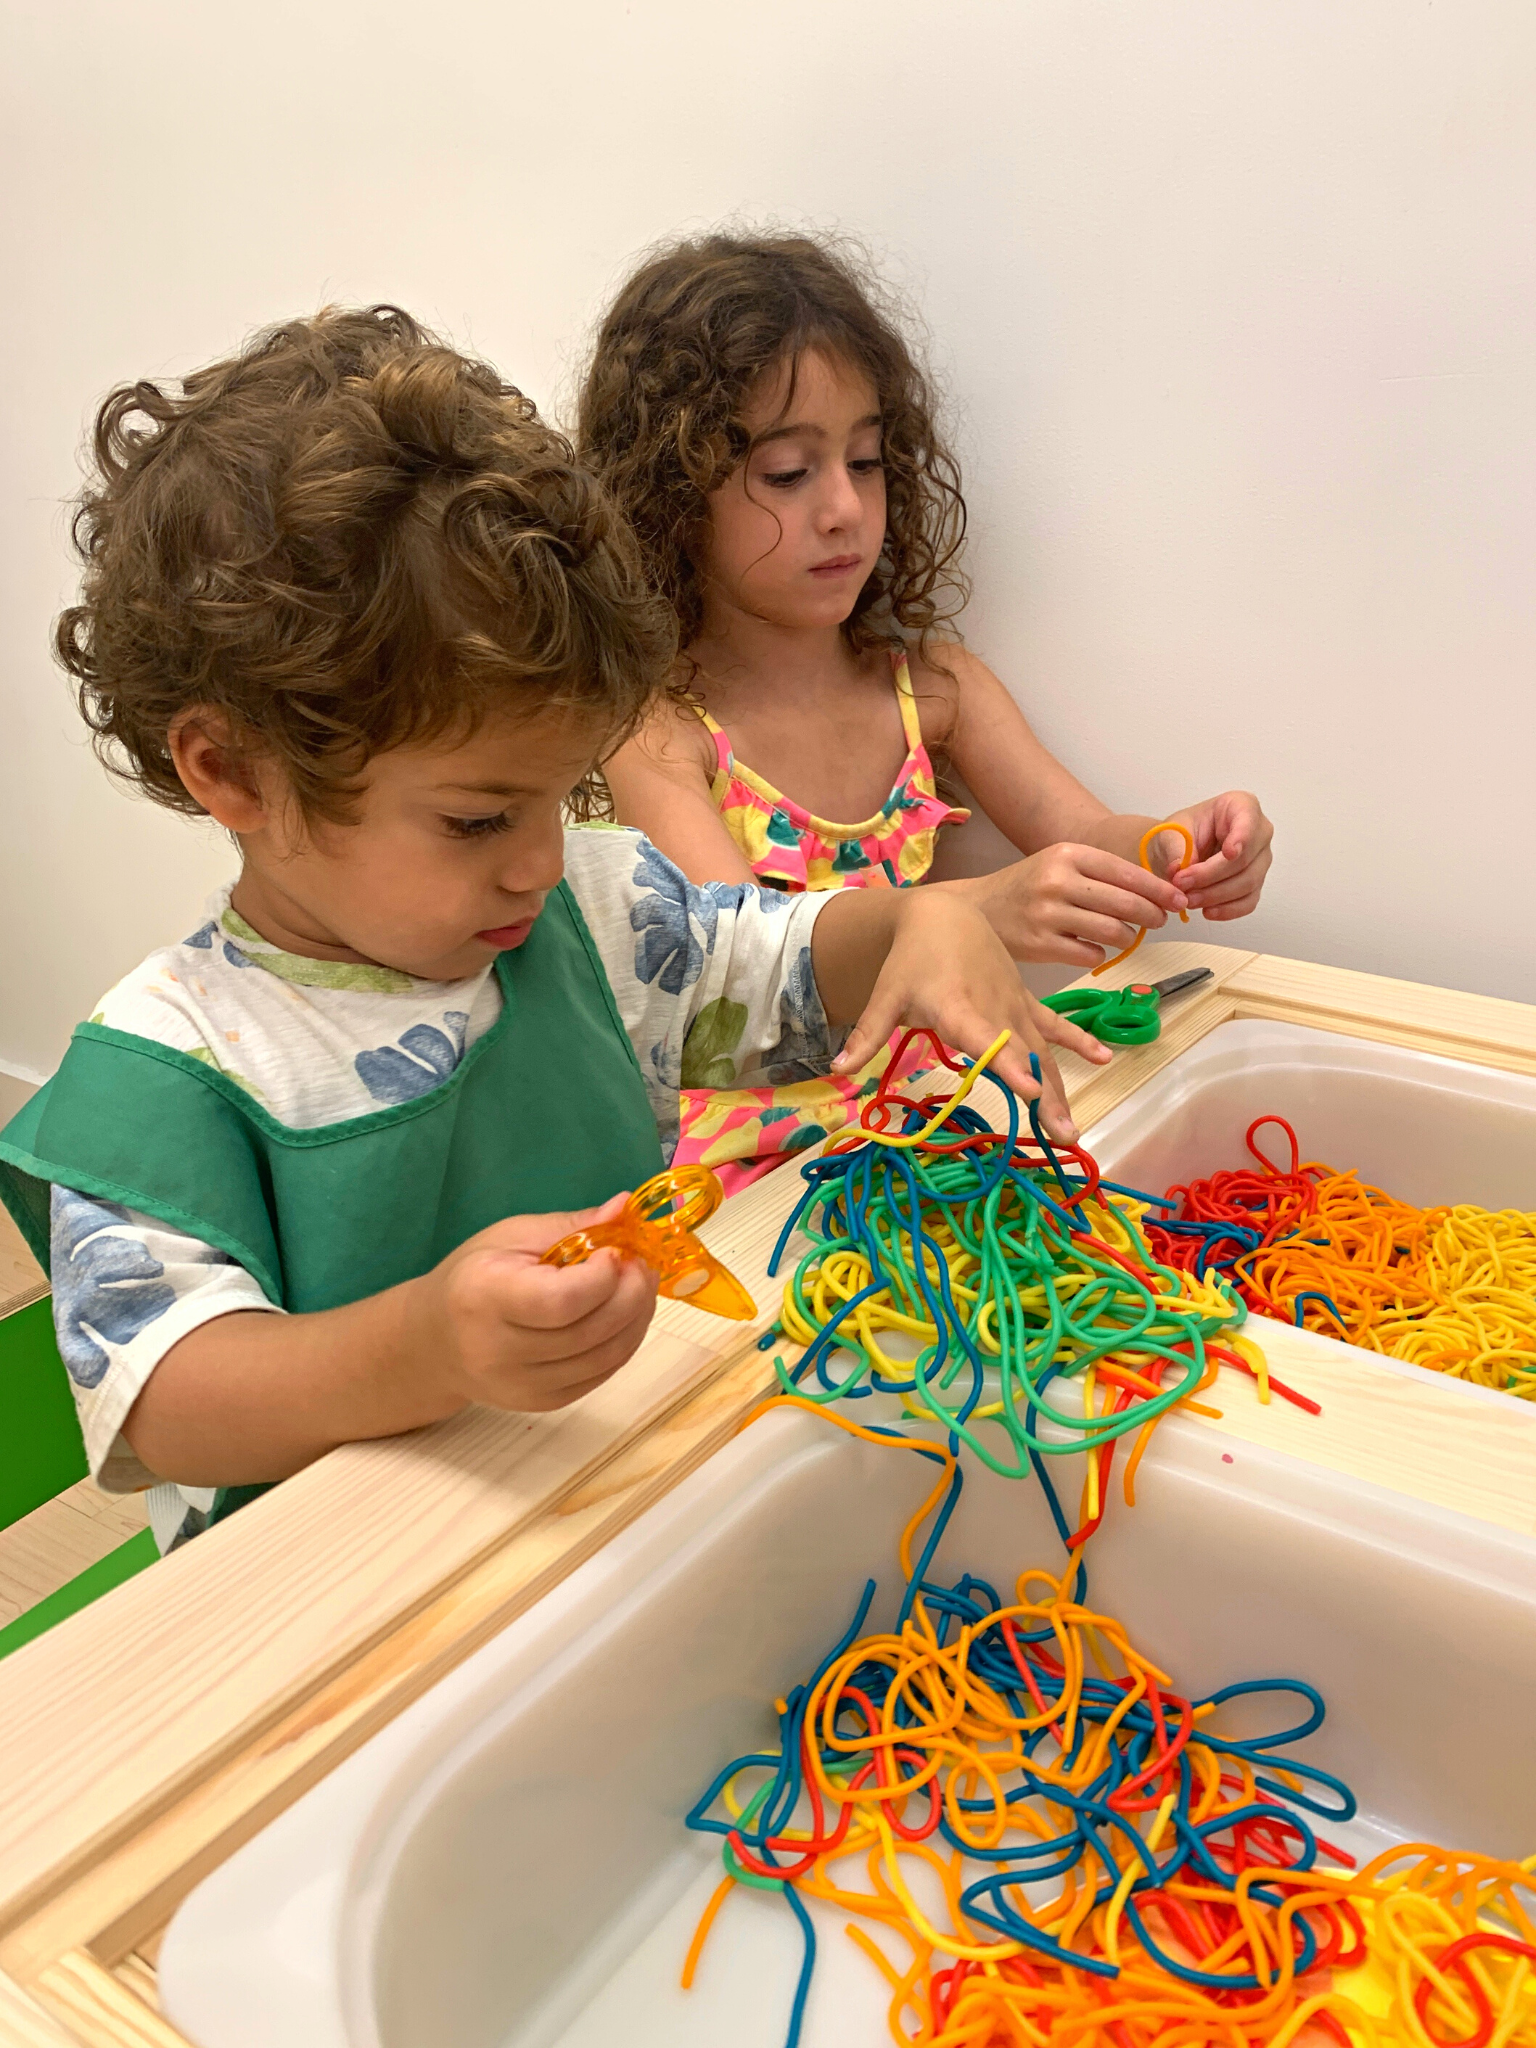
947	971
1232	855
1068	903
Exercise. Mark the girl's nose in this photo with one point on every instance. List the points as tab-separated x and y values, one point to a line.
840	504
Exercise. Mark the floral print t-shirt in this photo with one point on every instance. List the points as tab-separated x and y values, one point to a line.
317	1041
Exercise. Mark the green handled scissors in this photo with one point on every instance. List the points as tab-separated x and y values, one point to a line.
1122	1016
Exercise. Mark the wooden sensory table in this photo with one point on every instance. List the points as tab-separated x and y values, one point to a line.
146	1738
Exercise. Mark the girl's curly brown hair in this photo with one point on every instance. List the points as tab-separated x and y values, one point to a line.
346	538
683	344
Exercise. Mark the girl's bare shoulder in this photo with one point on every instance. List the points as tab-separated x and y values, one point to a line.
941	678
672	734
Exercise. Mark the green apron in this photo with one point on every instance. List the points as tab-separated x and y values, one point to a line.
547	1111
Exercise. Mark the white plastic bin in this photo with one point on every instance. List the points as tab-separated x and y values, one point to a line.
1428	1130
506	1866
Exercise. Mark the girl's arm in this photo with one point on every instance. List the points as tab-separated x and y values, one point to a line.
660	781
1081	883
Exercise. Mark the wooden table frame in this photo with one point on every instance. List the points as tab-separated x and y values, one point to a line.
144	1740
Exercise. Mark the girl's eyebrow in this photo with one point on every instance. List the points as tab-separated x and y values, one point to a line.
870	419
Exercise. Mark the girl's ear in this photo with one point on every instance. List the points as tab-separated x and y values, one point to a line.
213	772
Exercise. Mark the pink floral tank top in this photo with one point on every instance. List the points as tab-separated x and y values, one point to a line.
742	1132
788	848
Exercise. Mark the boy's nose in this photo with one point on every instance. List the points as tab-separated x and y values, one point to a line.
536	870
530	878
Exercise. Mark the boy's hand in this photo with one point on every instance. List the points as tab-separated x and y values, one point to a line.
248	1396
946	969
1070	903
1232	855
505	1331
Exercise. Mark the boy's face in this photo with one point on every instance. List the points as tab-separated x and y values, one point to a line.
453	850
795	533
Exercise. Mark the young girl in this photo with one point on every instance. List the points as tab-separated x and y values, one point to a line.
756	410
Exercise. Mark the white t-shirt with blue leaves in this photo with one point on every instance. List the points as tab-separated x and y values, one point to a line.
318	1041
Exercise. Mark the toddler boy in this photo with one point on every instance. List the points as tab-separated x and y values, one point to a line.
346	594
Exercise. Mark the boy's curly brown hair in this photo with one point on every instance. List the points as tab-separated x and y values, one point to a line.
683	344
346	538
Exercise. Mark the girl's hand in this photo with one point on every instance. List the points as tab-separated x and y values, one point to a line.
1070	903
509	1333
1232	855
947	970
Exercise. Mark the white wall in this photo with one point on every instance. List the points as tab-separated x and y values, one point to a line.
1236	299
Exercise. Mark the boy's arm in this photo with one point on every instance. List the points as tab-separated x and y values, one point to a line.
127	1287
249	1398
727	987
256	1397
885	958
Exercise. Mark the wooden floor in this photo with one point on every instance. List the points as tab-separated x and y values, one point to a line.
45	1549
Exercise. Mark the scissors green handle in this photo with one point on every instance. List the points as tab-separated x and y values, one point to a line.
1123	1016
1117	1016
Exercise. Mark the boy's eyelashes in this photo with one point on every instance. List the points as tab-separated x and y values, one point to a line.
478	828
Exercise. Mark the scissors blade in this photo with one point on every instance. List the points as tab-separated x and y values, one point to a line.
1177	982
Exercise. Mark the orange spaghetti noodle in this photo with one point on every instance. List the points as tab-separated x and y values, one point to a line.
1168	825
1451	1288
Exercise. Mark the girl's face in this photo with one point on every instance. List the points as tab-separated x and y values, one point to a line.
796	531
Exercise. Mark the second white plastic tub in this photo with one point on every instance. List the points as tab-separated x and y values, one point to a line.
506	1865
1429	1130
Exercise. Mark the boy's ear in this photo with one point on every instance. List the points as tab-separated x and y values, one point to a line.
213	772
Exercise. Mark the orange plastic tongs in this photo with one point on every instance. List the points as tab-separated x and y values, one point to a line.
657	1224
